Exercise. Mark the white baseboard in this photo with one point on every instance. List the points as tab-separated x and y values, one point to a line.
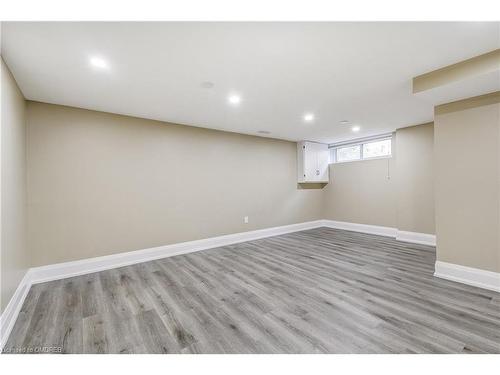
363	228
400	235
90	265
414	237
468	275
64	270
15	304
85	266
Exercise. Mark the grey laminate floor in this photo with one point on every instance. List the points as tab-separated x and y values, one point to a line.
317	291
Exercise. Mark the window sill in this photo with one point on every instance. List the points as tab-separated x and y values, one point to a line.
365	159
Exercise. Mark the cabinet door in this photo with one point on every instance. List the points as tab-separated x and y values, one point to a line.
321	159
323	162
301	176
310	161
314	150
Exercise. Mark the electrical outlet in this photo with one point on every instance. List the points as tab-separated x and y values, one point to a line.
245	219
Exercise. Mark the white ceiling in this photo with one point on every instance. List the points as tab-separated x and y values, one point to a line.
356	71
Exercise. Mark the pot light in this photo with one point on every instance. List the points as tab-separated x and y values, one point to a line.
356	128
309	117
234	99
98	62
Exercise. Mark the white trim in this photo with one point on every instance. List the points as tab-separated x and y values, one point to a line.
13	308
364	159
363	228
90	265
85	266
415	237
357	141
333	147
468	275
59	271
400	235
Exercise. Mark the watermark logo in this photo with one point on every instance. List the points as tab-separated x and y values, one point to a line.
32	350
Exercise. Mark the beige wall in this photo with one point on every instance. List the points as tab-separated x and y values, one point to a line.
415	179
467	185
395	192
361	192
100	184
475	66
14	256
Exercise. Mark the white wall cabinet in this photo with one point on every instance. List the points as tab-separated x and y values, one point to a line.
312	162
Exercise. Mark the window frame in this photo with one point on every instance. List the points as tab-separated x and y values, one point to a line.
361	142
347	146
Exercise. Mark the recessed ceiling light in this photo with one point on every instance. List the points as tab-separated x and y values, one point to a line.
234	99
355	128
344	122
309	117
98	62
264	132
207	85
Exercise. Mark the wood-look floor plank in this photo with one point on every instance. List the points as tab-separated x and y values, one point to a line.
95	340
42	323
317	291
68	318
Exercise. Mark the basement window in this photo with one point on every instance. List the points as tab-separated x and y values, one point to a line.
348	153
362	149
